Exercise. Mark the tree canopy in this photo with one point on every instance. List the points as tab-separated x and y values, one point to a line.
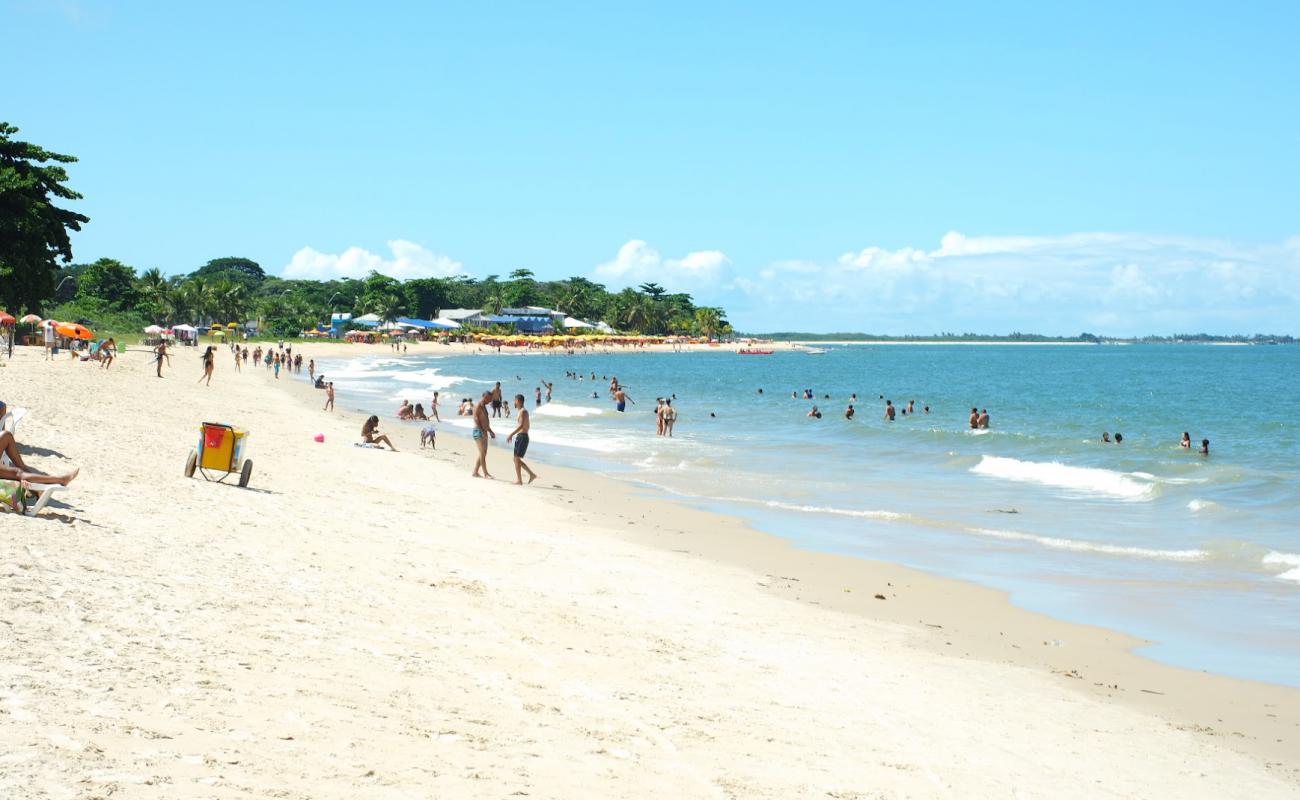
33	229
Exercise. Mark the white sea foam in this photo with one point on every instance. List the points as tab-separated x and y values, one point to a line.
1203	505
594	443
1078	546
562	410
1292	560
858	513
1089	480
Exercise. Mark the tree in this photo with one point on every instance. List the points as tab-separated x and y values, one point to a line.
110	281
521	289
653	289
33	230
709	321
229	301
426	296
244	271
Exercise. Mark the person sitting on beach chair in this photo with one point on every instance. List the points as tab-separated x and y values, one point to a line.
19	486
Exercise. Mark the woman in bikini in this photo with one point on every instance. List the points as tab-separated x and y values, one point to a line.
370	433
209	357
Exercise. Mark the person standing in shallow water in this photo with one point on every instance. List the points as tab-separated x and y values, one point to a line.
974	418
889	410
520	437
984	419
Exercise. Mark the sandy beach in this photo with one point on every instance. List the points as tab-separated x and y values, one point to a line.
371	624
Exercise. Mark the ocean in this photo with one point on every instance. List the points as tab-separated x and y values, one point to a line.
1200	555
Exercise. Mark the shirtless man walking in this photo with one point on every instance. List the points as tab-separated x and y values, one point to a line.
520	437
482	432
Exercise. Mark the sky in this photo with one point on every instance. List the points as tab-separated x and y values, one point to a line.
1117	168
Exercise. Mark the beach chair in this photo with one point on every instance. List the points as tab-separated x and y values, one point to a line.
43	492
9	422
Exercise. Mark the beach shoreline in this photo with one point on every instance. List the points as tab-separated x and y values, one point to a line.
947	614
937	622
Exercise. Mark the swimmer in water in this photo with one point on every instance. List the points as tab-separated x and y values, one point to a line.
1186	443
984	419
1119	438
1105	437
974	418
1205	447
815	413
848	412
889	410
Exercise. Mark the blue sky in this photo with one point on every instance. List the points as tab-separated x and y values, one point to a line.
1103	167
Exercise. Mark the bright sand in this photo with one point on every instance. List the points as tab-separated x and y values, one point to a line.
371	624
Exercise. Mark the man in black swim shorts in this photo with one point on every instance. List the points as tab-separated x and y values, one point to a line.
520	437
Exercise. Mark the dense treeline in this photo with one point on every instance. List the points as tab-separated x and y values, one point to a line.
36	276
114	295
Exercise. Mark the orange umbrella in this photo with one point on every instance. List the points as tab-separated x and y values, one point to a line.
74	331
6	318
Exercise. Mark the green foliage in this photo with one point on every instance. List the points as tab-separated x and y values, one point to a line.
102	316
243	271
109	281
33	230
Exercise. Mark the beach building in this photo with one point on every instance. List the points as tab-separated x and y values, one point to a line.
473	317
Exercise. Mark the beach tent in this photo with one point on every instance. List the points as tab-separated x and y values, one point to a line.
445	324
184	328
368	320
573	322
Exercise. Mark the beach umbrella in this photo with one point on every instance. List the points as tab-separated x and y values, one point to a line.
31	318
74	331
153	329
233	325
6	318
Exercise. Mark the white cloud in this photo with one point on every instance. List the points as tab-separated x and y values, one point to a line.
408	260
1106	282
638	262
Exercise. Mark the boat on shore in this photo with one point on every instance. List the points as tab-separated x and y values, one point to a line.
753	351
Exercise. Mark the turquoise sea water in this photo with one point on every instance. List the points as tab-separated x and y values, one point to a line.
1200	555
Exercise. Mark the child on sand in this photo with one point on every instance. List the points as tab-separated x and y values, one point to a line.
329	396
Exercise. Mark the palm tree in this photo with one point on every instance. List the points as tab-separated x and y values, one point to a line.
229	300
652	289
495	300
708	321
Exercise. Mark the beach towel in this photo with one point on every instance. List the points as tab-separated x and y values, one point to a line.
13	496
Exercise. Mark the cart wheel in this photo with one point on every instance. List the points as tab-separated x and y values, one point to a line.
245	472
190	463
